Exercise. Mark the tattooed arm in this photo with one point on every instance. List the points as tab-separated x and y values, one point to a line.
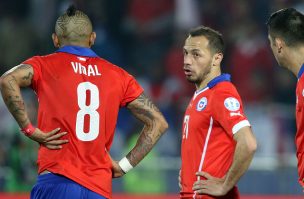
154	126
10	84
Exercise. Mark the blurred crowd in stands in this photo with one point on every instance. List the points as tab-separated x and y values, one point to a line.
145	37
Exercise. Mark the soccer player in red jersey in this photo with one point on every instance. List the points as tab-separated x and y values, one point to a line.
81	94
217	142
286	36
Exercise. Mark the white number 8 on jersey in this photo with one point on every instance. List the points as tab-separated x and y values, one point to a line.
87	110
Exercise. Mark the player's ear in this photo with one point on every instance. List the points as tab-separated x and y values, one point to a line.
92	39
279	43
217	59
55	40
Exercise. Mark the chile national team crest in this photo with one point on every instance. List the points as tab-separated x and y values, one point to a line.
202	103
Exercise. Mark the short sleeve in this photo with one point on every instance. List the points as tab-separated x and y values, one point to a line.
228	109
132	90
35	62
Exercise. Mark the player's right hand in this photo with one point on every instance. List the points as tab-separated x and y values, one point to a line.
211	185
50	140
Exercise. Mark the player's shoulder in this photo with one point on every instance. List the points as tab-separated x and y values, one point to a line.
115	70
35	60
43	57
224	90
225	93
110	66
225	86
221	83
301	79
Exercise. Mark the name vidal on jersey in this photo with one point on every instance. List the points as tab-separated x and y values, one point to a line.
89	70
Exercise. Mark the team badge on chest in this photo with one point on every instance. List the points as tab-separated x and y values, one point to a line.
202	103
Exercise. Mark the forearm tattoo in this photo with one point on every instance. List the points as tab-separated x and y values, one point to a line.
16	106
12	96
143	146
143	109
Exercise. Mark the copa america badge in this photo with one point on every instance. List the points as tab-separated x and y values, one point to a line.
202	103
232	104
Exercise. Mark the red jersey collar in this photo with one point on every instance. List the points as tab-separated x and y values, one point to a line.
222	78
301	71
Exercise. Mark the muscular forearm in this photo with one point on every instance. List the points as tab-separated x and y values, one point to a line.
10	84
241	161
11	95
154	126
147	139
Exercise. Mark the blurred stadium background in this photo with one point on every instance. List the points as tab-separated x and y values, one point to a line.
145	37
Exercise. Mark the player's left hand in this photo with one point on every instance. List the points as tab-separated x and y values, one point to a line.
211	185
117	172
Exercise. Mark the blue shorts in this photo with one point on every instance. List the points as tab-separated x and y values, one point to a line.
53	186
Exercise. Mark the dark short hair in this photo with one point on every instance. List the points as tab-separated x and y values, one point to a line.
215	38
74	25
288	24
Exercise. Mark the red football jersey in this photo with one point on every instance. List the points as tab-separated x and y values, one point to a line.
80	93
300	125
212	117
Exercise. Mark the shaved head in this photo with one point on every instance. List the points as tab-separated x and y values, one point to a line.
73	27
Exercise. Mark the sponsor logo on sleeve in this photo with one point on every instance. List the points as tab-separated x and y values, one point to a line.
232	104
202	103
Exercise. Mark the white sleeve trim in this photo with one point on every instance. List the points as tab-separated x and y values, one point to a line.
240	125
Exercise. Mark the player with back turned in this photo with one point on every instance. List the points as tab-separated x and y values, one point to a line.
79	95
286	36
217	142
